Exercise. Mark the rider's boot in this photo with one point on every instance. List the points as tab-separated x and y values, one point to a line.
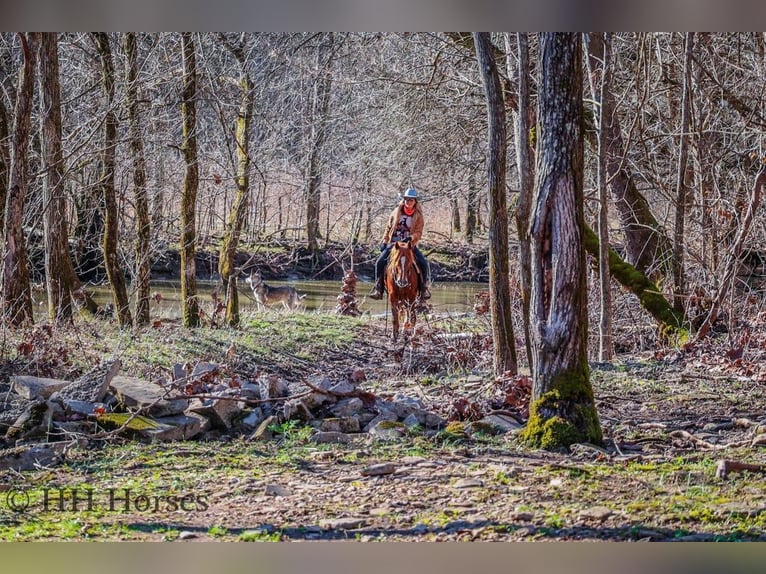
377	290
425	292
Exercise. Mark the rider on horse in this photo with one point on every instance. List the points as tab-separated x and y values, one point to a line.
405	222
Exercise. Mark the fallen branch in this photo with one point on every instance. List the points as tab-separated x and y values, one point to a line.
724	467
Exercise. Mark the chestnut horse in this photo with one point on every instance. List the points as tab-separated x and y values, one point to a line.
402	285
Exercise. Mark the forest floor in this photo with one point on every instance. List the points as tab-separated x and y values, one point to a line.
676	425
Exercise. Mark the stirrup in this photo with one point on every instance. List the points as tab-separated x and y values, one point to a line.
377	292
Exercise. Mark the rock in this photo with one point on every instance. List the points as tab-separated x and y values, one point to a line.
142	426
403	405
347	407
468	483
277	490
500	424
186	535
349	523
329	437
32	388
253	418
343	388
426	419
93	386
36	419
296	409
263	432
190	425
146	396
220	411
179	372
598	513
204	369
250	390
29	457
385	415
387	430
272	387
82	408
379	469
344	425
316	399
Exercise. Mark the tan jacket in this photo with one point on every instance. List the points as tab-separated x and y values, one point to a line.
416	229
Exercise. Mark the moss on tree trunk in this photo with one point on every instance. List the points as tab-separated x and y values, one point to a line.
564	415
671	322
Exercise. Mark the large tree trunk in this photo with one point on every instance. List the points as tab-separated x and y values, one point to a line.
647	245
563	409
525	163
16	294
321	110
60	278
499	289
241	201
189	301
142	273
111	218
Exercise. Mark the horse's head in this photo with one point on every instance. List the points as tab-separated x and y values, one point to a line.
401	264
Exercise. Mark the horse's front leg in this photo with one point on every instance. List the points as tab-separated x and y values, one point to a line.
394	319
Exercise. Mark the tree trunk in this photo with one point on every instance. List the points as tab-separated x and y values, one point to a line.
679	276
189	301
5	156
60	278
563	409
600	83
320	109
241	201
499	289
111	219
455	212
647	245
471	205
525	163
671	323
143	224
16	294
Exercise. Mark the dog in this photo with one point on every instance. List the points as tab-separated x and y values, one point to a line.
267	295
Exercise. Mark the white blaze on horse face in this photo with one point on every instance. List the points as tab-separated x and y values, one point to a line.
403	274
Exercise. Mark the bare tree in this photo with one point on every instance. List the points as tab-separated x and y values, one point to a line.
317	136
142	272
16	294
190	303
499	290
563	409
679	276
61	280
600	80
241	200
526	169
111	217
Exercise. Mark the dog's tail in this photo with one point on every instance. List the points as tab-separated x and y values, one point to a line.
302	297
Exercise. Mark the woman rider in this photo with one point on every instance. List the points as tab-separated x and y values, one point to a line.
405	221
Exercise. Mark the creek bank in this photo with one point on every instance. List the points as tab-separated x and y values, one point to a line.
283	261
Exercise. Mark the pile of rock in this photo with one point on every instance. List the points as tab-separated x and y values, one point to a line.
203	401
